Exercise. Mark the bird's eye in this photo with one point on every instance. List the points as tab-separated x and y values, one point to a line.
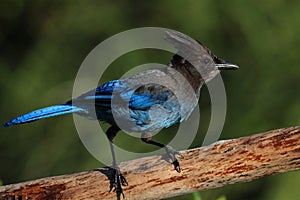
206	61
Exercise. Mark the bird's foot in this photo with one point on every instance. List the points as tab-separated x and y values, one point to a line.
118	182
172	155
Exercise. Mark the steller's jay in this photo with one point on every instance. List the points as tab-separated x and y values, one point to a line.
151	106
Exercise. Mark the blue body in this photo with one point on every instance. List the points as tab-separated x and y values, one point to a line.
140	106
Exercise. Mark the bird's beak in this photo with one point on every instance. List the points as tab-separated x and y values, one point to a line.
226	66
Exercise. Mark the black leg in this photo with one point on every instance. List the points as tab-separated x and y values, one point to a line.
119	179
146	137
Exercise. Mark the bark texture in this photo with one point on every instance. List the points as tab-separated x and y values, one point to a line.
222	163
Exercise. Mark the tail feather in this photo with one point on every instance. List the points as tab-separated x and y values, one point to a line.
43	113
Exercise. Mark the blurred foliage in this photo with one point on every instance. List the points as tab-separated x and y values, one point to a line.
222	198
196	196
43	44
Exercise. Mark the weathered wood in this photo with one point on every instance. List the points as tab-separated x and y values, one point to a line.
222	163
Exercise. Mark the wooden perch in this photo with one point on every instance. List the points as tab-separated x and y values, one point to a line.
222	163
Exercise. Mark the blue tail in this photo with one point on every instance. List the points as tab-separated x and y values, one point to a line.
43	113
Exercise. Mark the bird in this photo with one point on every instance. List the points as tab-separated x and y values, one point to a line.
147	101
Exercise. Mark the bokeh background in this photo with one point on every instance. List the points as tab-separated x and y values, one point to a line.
43	43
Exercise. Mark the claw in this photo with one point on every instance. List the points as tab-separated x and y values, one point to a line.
172	154
176	166
123	180
117	183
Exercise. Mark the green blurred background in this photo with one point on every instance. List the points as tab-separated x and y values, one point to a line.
43	43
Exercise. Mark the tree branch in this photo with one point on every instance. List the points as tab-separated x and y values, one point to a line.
222	163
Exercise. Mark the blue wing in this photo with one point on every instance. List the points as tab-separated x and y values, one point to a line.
146	114
149	95
101	96
142	98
